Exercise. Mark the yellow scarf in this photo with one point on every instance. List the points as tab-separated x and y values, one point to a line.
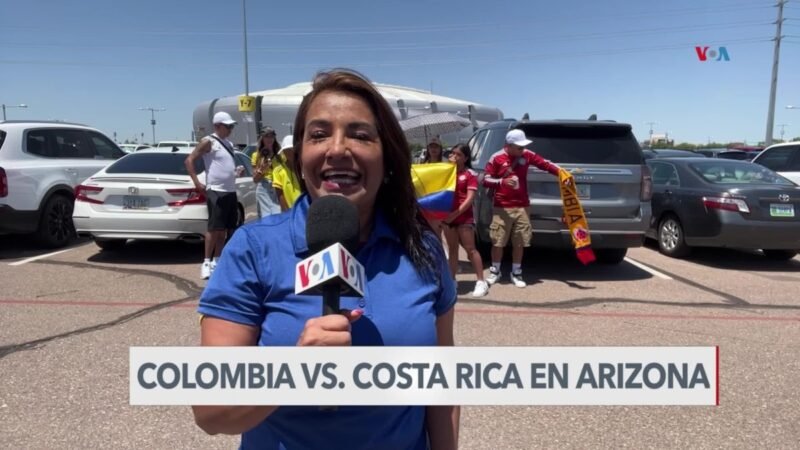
574	217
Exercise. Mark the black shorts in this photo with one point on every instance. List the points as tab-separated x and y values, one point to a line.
222	213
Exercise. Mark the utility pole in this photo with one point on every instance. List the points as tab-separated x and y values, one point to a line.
774	85
783	126
650	141
152	119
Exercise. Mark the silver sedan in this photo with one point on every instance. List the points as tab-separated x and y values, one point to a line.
149	195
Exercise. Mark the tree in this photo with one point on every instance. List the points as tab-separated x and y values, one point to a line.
685	146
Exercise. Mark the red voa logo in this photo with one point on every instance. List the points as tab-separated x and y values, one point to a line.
706	53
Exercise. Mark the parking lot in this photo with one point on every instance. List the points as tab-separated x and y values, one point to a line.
67	320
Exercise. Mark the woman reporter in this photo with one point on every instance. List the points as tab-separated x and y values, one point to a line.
349	143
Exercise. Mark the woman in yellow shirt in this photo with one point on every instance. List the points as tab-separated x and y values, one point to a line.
264	163
284	180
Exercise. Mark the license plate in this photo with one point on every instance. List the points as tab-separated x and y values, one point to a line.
135	202
778	210
584	191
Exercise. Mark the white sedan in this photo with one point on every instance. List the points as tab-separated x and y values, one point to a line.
149	195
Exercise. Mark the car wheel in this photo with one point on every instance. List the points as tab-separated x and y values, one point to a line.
55	226
110	244
610	255
780	255
671	238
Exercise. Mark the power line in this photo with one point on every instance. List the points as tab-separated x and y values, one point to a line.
419	29
415	62
411	46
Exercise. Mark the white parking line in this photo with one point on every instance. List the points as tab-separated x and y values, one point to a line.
46	255
649	270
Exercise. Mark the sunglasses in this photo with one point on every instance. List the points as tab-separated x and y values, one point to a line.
230	127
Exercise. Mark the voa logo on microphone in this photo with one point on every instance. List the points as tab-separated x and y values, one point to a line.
333	262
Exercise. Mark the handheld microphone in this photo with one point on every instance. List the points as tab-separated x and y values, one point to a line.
332	235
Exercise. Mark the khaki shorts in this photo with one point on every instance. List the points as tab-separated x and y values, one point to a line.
510	222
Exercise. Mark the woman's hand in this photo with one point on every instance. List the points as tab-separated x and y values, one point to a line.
331	330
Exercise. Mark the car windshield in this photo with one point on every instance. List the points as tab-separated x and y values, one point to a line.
585	145
721	172
154	163
2	138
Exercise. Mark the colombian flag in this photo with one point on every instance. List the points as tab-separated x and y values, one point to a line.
435	185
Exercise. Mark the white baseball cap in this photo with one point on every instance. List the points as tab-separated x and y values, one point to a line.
517	137
223	118
287	142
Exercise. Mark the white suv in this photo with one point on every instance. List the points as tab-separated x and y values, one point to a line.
782	158
40	165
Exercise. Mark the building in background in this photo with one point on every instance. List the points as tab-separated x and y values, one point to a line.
277	108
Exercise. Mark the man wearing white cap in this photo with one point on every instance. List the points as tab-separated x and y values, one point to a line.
220	187
507	175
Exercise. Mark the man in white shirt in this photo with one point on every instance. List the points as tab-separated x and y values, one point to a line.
220	188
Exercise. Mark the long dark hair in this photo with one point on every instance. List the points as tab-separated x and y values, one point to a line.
275	145
396	197
426	155
464	149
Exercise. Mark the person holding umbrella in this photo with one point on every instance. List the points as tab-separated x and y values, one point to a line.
433	152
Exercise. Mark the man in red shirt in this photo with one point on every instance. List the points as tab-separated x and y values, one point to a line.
507	175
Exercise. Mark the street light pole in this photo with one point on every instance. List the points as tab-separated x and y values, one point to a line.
246	68
152	119
244	28
21	105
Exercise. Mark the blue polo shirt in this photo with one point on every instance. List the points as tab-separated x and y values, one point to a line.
253	284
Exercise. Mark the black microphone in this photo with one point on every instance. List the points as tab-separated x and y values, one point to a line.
332	233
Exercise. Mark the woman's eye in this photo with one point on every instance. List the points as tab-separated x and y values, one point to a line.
316	135
363	136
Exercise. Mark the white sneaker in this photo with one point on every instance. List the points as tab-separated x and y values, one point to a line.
205	270
516	278
494	275
481	289
213	265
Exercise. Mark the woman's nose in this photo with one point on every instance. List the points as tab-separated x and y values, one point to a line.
338	146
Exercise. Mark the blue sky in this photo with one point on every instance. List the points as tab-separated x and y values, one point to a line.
97	61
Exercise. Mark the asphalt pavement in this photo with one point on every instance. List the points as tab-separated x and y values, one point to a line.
67	320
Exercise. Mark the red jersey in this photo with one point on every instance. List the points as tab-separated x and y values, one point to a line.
466	181
500	168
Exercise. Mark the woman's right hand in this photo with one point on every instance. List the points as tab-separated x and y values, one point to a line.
332	330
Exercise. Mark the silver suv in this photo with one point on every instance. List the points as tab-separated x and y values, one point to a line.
613	183
782	158
40	165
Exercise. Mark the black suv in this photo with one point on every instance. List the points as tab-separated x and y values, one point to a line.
613	183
